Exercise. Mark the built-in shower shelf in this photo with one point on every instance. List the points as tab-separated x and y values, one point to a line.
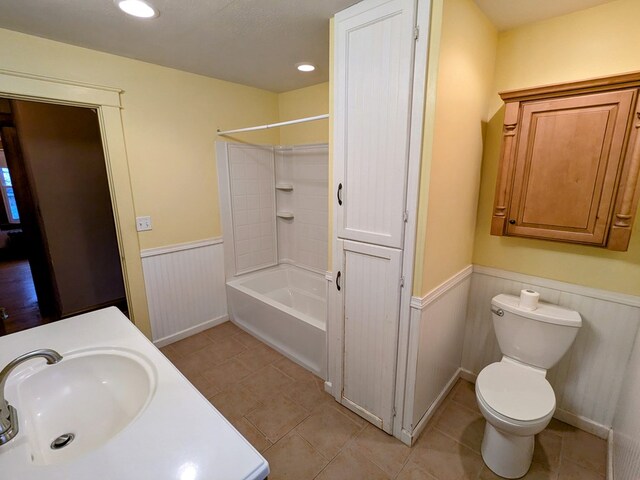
285	215
285	187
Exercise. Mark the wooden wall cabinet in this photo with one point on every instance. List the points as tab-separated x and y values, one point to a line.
570	162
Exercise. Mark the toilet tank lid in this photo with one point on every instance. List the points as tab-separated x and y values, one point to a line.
546	312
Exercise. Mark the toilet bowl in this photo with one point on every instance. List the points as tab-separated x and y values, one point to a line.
517	403
513	394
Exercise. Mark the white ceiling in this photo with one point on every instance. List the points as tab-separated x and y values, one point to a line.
506	14
253	42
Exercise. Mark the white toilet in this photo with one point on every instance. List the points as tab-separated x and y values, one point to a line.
513	394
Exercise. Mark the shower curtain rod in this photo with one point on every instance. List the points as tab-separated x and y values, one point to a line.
274	125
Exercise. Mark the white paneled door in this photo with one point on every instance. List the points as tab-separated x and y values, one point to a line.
371	291
374	58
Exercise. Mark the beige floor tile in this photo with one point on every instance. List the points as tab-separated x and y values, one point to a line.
221	350
206	388
572	471
258	357
251	433
235	402
267	382
547	450
412	471
276	416
308	394
247	339
200	360
350	464
191	344
224	330
170	353
361	422
293	458
384	450
464	393
444	458
327	430
559	428
189	366
294	370
464	425
536	472
226	373
586	450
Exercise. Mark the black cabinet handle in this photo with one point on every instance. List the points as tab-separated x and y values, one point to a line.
339	195
338	281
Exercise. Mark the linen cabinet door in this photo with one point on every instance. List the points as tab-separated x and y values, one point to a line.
374	43
371	283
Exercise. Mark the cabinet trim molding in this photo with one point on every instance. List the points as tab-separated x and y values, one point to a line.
614	82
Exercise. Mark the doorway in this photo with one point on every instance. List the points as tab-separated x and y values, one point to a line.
65	230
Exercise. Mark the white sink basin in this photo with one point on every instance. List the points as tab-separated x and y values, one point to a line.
91	394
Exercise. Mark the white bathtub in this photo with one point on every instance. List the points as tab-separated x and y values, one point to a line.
286	307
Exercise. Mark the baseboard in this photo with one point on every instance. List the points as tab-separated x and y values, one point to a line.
162	342
328	387
582	423
409	438
610	455
468	375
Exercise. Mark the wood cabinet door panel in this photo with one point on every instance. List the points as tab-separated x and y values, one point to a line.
568	158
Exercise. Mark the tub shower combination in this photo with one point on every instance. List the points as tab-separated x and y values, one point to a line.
274	202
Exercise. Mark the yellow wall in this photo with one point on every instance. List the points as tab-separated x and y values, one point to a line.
304	102
170	119
451	161
595	42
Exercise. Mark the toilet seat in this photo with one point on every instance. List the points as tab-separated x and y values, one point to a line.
516	393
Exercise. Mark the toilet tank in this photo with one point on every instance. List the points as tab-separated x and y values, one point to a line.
536	337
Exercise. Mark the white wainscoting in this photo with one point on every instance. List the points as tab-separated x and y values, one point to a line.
625	458
185	287
435	350
588	380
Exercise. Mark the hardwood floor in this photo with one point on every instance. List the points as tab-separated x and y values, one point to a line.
18	297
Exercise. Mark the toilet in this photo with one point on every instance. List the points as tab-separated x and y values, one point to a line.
513	394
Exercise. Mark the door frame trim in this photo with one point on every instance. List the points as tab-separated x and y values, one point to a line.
107	102
420	73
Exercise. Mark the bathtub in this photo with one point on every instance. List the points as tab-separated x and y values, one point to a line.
286	308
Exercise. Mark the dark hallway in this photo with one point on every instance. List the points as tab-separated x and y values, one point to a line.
18	297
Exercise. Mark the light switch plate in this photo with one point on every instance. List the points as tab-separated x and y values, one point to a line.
143	223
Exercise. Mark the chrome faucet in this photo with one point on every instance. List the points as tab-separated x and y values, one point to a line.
8	414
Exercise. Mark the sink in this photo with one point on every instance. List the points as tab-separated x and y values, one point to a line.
82	402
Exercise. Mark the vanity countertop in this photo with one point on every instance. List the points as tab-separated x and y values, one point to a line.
179	434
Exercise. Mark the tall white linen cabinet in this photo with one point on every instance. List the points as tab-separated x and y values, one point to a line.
380	56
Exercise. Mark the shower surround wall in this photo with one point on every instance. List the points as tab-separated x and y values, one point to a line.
274	213
301	182
253	206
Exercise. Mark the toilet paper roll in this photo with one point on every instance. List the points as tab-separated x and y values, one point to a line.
529	299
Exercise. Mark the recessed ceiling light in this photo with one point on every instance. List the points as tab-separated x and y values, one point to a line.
137	8
306	67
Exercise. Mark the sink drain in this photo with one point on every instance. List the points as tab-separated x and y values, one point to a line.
62	441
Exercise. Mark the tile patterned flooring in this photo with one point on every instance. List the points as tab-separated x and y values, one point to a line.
283	411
